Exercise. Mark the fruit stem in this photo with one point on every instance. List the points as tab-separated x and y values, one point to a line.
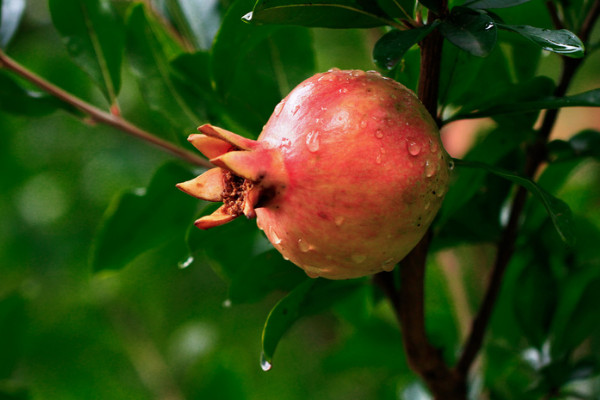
111	119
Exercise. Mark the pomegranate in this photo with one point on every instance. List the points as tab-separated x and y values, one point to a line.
344	180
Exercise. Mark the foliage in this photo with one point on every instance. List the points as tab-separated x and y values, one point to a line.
109	292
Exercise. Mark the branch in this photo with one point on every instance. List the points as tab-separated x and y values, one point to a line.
536	155
101	116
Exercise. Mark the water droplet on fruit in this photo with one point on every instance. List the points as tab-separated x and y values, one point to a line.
265	364
311	271
427	205
295	109
227	303
186	263
379	134
343	90
433	146
378	159
440	191
363	123
414	148
339	220
359	258
304	246
276	239
312	141
286	143
358	73
451	165
429	169
278	108
388	265
334	69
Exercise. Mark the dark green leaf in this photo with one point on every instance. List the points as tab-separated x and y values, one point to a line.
472	31
94	38
401	9
590	98
310	297
318	13
534	298
577	317
559	211
11	12
433	5
13	320
18	100
486	4
263	274
390	48
150	50
138	222
559	41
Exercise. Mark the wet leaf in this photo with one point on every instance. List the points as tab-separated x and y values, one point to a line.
392	46
318	13
559	41
94	38
310	297
472	31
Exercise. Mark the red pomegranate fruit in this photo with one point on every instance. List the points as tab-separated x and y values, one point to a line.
344	180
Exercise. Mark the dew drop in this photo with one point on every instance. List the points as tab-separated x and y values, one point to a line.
312	141
358	73
379	134
388	265
276	239
359	258
186	263
378	159
451	165
440	192
286	143
265	364
247	17
286	258
363	124
334	70
295	109
312	272
433	146
339	220
414	148
227	303
304	246
427	205
278	108
343	90
429	169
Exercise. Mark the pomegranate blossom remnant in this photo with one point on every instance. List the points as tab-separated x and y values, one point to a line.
345	178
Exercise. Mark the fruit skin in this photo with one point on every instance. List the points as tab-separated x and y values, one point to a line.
345	178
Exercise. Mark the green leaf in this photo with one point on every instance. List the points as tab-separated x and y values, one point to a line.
577	317
310	297
559	41
263	274
472	31
139	221
94	38
534	298
13	320
492	4
392	46
197	20
433	5
398	8
318	13
17	100
558	210
150	50
11	13
590	98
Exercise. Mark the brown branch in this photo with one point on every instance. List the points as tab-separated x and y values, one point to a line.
100	116
536	155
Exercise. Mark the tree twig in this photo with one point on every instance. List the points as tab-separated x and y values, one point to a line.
101	116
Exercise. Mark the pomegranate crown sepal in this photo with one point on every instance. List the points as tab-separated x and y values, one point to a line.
246	176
